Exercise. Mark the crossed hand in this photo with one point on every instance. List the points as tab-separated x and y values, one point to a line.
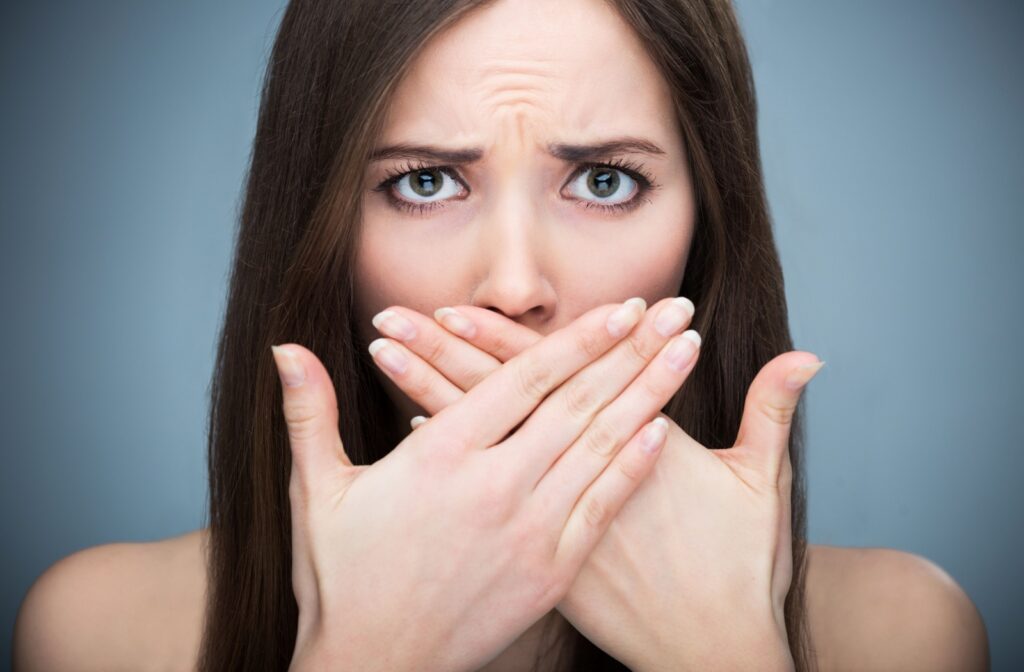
665	554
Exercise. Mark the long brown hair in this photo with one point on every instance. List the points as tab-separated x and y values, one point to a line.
332	70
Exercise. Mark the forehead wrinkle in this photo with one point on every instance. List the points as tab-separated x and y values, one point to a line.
511	100
508	86
533	65
478	87
535	89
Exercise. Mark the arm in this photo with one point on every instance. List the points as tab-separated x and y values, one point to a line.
67	614
886	609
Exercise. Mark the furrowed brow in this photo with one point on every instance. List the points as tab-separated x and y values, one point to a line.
566	152
430	153
603	150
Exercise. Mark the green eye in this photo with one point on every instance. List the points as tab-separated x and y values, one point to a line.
413	188
426	182
605	183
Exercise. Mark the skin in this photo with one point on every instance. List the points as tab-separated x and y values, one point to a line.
510	81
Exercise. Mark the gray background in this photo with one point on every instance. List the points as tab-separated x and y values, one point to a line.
891	134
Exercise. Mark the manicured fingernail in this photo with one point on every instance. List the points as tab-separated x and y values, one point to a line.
455	322
673	315
802	375
288	367
654	435
682	349
417	421
390	323
388	356
623	319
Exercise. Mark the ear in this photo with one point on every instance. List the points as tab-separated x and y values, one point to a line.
763	438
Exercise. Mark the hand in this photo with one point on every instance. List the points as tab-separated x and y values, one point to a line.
442	553
643	595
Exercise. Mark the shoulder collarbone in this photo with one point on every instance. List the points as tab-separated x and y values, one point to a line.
891	609
91	610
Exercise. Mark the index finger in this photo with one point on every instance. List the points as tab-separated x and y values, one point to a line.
493	333
499	403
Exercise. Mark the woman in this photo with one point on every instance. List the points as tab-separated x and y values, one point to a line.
697	561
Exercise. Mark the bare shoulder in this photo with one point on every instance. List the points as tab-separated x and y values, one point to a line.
116	606
886	609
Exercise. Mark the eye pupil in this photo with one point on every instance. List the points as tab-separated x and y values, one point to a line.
426	182
604	182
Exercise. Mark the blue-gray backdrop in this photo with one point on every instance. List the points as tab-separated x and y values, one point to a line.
892	142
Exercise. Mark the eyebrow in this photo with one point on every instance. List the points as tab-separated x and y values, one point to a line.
564	151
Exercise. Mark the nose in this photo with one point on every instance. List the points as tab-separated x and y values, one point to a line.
515	262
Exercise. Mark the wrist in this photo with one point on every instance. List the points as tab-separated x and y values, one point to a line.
317	651
764	649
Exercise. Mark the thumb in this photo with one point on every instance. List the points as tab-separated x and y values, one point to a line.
311	413
763	438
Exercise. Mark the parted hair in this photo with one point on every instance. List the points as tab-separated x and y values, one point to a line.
327	84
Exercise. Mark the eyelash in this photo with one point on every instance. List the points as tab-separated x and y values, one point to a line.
636	171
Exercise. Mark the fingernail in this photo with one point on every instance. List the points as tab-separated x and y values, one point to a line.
455	322
682	349
288	367
673	315
802	375
623	319
654	435
388	356
417	421
394	325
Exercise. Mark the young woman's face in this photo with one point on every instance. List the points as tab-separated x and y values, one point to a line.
527	92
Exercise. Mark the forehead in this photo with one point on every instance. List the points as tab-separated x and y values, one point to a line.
575	67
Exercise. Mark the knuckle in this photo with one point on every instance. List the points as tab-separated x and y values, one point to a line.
595	513
639	349
589	343
465	375
782	415
446	436
600	438
302	420
532	378
499	343
652	389
418	386
579	396
476	376
436	350
631	471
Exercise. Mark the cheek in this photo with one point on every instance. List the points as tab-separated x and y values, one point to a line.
644	255
390	274
661	247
